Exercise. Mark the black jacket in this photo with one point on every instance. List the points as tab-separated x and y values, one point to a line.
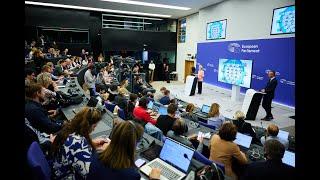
271	87
246	128
268	170
121	102
39	119
165	123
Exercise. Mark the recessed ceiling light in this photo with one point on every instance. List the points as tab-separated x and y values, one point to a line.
148	4
95	9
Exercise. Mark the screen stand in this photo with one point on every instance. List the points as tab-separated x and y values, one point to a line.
235	94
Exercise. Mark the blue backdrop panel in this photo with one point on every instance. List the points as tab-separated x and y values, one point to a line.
267	54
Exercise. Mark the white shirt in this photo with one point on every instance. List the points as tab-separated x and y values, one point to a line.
89	79
152	66
272	79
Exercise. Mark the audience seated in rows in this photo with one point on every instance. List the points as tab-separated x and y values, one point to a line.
73	146
39	117
188	114
223	149
273	167
165	100
272	133
165	122
244	127
177	133
214	117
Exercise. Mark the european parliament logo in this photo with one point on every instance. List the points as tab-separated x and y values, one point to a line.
234	47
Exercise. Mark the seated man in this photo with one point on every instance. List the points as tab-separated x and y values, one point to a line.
272	133
36	114
273	168
165	122
165	100
158	96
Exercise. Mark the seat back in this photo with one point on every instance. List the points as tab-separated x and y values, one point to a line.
121	114
207	125
201	158
38	162
110	106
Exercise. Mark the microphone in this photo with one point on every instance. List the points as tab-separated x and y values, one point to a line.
186	156
265	134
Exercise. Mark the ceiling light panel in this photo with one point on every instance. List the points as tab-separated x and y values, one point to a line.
140	3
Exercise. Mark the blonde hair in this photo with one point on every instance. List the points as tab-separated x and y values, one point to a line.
214	110
239	115
44	79
121	91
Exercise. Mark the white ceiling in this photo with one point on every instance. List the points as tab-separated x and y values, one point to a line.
195	5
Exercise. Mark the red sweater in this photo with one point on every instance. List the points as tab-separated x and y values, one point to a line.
142	114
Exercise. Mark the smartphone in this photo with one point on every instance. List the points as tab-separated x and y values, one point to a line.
140	162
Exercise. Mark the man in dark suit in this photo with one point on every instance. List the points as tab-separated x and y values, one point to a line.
267	98
272	168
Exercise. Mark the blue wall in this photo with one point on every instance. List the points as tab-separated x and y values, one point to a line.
276	54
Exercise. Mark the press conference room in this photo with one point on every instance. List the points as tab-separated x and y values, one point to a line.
170	90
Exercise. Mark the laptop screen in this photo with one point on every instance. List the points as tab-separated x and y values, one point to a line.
205	108
283	134
289	158
176	154
243	140
150	105
162	110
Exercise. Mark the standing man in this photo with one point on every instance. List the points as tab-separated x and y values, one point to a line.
200	78
267	98
41	41
152	66
90	79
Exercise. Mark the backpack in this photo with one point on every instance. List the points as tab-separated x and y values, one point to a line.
209	172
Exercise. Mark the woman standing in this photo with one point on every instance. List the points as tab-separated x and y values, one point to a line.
200	78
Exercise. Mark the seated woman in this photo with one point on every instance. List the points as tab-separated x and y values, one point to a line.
165	100
214	117
100	58
50	86
117	160
223	149
71	163
141	114
121	100
124	84
178	129
131	105
188	114
244	127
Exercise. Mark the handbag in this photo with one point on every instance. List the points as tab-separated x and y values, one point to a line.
209	172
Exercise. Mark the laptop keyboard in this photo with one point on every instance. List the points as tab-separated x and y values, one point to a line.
165	171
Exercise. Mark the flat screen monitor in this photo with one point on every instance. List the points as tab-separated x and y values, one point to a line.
289	158
216	30
144	56
235	71
150	105
283	20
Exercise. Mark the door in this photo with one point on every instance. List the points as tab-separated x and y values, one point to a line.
187	69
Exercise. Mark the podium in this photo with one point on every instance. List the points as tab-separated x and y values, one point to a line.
251	104
190	87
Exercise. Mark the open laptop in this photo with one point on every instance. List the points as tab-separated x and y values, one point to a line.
163	110
150	105
204	111
243	140
174	161
283	135
289	158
